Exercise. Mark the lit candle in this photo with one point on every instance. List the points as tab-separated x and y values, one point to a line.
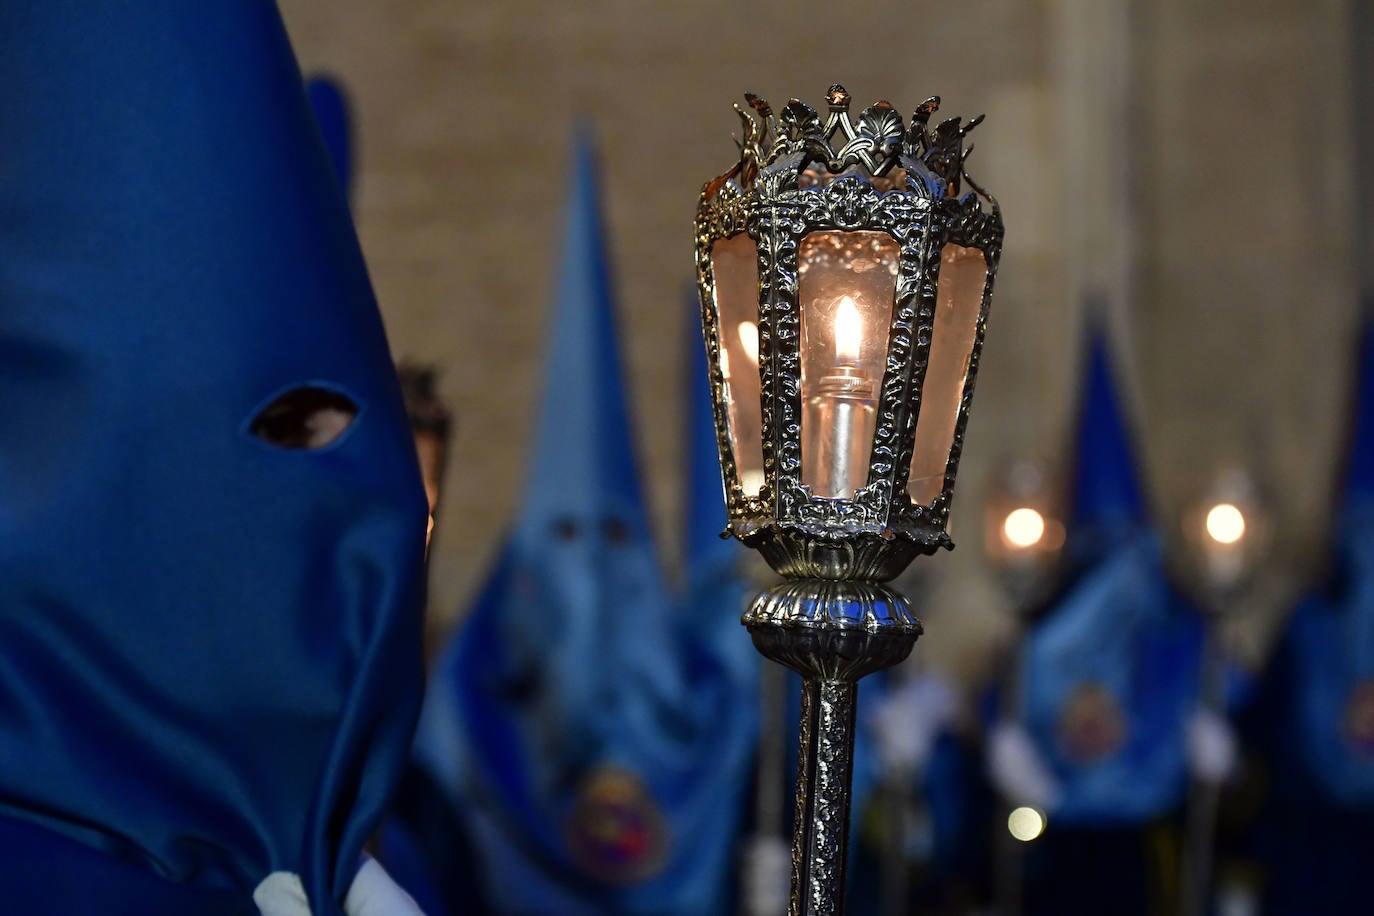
848	331
843	412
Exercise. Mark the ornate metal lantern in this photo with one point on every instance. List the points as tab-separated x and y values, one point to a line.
845	277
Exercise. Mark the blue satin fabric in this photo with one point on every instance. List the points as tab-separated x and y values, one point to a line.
1107	501
1120	630
1119	646
570	664
210	652
45	872
1326	654
1314	837
1330	639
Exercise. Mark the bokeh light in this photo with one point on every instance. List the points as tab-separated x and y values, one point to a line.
1023	527
1225	523
1026	824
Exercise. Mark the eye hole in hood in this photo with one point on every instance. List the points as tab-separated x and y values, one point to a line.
306	417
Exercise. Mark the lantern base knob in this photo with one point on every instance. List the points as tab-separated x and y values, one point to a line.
832	632
832	629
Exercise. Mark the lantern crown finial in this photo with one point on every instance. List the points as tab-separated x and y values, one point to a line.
878	141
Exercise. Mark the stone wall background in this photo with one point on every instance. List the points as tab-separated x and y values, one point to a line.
1191	159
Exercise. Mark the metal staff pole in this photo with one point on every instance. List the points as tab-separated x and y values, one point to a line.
1023	539
1009	868
1204	796
1228	535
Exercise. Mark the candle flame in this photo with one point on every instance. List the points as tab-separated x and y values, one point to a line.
749	339
848	332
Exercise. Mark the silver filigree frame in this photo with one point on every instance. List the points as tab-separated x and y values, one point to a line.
882	178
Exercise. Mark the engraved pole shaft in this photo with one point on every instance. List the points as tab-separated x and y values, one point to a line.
825	764
833	632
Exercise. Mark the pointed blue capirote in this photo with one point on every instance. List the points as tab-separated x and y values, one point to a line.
1324	663
559	731
210	654
1107	500
584	456
1313	714
329	101
1110	673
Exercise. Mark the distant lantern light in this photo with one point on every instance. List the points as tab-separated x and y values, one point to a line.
1225	523
1026	824
1023	528
1228	530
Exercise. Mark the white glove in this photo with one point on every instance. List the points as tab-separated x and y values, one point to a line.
1211	744
908	721
1017	770
1234	899
281	894
372	893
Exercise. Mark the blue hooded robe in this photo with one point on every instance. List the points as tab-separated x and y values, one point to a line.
210	653
1312	718
1108	677
578	757
395	846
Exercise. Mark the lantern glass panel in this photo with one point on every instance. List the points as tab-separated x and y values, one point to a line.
734	262
958	301
847	282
